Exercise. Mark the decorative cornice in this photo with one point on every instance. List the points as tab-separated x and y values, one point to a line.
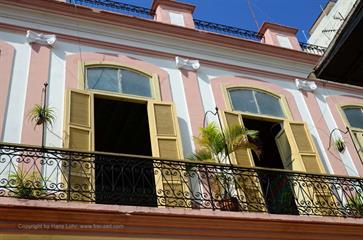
174	4
40	38
277	27
184	63
305	85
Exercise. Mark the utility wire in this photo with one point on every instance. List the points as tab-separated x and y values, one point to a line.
252	13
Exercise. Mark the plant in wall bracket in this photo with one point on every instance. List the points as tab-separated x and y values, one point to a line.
40	115
339	144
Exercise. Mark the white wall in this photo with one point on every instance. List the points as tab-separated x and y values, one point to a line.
330	23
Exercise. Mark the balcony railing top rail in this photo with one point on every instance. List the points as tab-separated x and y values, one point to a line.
132	10
311	48
116	6
63	175
228	30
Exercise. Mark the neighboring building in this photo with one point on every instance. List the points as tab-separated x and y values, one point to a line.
343	63
329	21
129	88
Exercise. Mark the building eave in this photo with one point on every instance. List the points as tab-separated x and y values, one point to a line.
90	14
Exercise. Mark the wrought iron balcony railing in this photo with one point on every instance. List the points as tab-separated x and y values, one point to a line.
311	48
227	30
101	178
116	6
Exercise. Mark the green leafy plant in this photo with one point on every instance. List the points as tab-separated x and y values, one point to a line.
217	146
40	115
355	204
340	144
27	184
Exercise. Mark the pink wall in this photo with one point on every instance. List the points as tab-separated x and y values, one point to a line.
73	62
38	75
323	131
6	66
163	7
271	30
334	103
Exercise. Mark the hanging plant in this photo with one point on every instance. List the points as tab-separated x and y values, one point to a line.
40	115
340	144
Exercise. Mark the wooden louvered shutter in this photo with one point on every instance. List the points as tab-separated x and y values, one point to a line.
164	131
303	153
358	141
242	157
166	143
248	185
79	117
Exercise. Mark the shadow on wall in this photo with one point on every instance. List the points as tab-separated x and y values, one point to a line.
323	159
185	137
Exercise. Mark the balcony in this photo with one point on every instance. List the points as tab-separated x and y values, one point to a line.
103	178
146	13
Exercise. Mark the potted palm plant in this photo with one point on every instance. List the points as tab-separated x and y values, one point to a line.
216	146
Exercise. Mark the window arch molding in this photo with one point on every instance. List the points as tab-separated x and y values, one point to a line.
347	119
221	84
75	64
152	79
281	101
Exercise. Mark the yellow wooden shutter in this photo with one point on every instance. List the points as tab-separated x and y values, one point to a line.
303	155
358	141
79	120
164	130
298	153
166	143
79	137
241	157
248	186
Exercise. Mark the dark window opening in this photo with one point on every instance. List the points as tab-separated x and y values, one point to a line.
122	127
278	192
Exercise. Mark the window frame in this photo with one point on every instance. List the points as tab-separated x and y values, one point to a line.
271	118
345	118
154	83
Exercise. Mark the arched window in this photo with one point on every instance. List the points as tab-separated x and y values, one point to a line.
354	116
119	80
256	102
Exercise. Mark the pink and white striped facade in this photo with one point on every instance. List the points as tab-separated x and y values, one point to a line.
89	35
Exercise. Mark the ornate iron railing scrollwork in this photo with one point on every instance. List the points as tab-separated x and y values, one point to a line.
65	175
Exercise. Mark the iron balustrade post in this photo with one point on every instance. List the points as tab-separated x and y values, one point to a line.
210	192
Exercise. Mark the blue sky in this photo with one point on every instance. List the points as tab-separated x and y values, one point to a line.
300	14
